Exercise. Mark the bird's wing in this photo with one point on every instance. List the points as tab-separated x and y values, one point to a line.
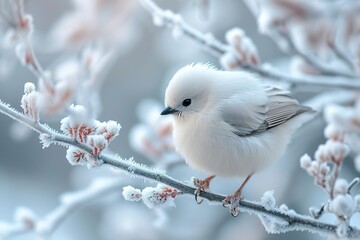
246	117
282	107
254	117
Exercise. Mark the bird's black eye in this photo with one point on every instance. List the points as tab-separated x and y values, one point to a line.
186	102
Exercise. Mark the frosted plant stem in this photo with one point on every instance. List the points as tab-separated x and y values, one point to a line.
293	221
325	70
217	49
334	175
74	201
33	65
69	202
343	57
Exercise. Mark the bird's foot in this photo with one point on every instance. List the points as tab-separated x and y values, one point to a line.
232	203
201	185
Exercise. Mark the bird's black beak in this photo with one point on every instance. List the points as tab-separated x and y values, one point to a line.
168	111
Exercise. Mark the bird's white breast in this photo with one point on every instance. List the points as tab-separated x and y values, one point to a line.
207	144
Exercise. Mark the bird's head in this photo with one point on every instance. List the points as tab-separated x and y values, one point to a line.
188	91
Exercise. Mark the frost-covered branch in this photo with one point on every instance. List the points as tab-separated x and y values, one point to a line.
342	134
323	68
49	136
71	79
218	49
26	221
20	36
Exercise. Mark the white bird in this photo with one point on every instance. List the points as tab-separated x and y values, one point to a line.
229	124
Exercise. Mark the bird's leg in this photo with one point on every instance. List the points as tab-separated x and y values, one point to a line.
234	199
202	185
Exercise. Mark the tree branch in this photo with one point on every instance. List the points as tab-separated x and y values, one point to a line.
217	49
292	221
24	27
74	201
324	69
69	203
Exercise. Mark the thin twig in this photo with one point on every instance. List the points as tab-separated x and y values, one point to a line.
352	184
343	57
217	49
325	70
294	222
78	200
33	64
69	203
333	177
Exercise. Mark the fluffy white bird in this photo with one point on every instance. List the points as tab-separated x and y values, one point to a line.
229	124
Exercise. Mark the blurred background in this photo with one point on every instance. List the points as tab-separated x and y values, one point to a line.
146	58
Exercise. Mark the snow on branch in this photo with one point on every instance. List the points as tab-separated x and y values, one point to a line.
240	52
19	36
26	221
72	79
322	33
75	138
342	136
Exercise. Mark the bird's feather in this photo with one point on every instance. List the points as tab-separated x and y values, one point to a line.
250	120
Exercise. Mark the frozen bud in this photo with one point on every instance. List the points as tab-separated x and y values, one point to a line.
229	61
161	196
305	161
109	129
131	194
268	200
333	131
283	207
338	150
29	87
342	205
341	187
76	156
25	216
241	47
45	140
30	102
234	36
78	114
314	168
26	25
324	170
78	124
320	153
97	143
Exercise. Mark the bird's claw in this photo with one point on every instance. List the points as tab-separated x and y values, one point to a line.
226	201
197	194
202	185
232	203
235	212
